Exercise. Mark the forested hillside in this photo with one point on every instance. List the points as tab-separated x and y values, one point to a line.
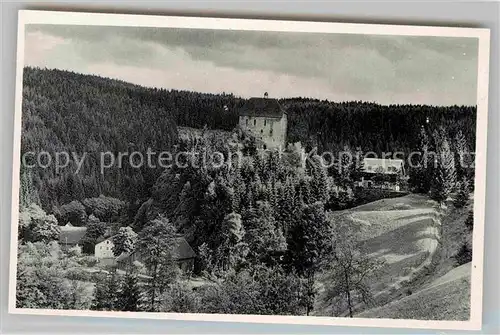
372	127
68	112
65	111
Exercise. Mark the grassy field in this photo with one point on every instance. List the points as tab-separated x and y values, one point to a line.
404	232
406	250
446	298
411	201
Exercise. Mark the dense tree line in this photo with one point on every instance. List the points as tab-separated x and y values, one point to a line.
443	166
373	128
65	111
68	112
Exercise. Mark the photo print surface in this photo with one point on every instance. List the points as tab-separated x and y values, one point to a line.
263	171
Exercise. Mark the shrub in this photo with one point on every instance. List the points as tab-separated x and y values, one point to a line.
75	251
78	274
35	225
180	299
88	261
464	255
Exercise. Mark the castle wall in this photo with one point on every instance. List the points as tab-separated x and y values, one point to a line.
272	131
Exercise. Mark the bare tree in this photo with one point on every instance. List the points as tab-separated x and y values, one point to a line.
349	269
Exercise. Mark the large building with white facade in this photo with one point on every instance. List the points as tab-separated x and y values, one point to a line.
104	249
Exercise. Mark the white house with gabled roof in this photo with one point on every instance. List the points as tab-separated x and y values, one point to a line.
104	249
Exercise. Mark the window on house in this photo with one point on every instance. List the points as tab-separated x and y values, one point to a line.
247	121
369	168
271	132
262	131
254	122
265	122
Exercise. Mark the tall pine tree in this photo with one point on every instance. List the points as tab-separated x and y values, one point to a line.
233	249
265	240
319	183
27	191
129	298
444	178
107	294
462	156
421	164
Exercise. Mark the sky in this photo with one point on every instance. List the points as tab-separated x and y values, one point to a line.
338	67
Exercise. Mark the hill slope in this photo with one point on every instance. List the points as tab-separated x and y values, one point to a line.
69	112
446	298
420	243
402	231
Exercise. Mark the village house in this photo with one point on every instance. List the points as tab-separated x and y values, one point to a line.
182	254
70	236
104	249
382	173
266	120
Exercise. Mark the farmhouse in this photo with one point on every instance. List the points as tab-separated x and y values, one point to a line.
70	236
266	120
183	254
382	173
104	249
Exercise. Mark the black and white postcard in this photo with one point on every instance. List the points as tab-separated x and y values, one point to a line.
249	170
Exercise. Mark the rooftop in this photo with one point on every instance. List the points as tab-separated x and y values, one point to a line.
183	250
71	235
383	161
263	107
